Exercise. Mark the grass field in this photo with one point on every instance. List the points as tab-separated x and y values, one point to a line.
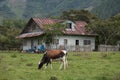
82	66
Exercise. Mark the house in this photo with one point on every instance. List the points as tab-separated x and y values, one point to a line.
75	36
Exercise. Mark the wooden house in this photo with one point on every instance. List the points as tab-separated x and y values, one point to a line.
75	37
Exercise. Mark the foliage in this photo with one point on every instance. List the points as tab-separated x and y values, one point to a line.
92	67
107	30
7	39
52	30
17	23
8	33
115	18
76	15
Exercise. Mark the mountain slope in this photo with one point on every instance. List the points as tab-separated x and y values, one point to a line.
17	6
55	7
107	8
5	11
46	8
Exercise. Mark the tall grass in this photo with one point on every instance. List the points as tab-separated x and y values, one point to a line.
82	66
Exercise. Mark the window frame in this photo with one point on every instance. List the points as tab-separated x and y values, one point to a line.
87	42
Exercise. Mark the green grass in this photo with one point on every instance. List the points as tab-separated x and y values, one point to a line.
82	66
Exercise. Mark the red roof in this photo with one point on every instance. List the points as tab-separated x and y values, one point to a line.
42	21
79	28
79	25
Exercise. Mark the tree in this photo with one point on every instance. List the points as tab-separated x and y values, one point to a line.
115	18
53	30
14	23
108	31
82	15
8	32
7	37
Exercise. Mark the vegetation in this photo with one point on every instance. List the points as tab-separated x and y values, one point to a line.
107	8
45	8
7	39
79	15
82	66
107	30
52	30
8	32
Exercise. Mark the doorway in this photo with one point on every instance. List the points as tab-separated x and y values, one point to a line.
77	42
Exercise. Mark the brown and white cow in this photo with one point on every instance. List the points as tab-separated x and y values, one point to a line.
50	55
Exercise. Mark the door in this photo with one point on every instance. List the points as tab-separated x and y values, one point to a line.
77	42
77	45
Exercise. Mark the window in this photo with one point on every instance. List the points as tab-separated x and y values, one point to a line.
56	41
69	25
77	42
87	42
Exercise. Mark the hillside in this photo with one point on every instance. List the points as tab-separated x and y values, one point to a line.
46	8
107	8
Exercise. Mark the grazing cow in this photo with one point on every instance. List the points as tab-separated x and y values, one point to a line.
50	55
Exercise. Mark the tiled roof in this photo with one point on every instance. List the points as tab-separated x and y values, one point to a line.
79	25
79	28
42	21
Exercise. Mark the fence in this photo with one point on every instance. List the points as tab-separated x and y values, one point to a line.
85	48
107	48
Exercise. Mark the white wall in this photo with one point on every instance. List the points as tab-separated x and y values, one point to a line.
70	42
26	44
72	39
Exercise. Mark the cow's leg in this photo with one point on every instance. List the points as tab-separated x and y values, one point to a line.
51	64
64	62
61	64
46	65
47	62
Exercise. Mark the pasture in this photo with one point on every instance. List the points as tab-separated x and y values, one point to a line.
82	66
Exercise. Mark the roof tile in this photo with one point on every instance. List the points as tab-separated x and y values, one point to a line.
79	28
